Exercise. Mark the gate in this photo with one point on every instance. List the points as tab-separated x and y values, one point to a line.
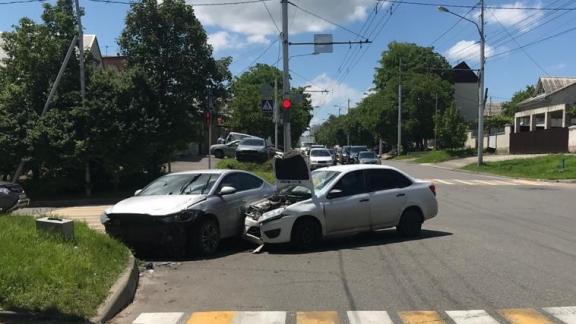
554	140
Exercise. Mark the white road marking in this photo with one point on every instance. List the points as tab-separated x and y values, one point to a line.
530	183
471	317
565	314
153	318
369	317
485	182
442	181
464	182
260	318
505	183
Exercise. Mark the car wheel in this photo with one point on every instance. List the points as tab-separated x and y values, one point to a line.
218	154
305	234
206	237
410	223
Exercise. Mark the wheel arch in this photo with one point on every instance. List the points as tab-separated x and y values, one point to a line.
415	208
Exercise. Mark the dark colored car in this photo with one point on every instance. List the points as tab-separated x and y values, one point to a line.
12	196
354	151
254	149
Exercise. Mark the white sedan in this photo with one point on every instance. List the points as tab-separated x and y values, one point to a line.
337	201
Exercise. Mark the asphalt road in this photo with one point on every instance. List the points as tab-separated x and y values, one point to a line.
496	244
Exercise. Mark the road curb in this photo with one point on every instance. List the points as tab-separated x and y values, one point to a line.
121	293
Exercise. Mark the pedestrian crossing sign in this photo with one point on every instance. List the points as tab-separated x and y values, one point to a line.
267	106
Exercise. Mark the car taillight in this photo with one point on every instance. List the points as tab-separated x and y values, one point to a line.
433	189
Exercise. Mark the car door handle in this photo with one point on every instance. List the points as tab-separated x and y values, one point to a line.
400	195
364	200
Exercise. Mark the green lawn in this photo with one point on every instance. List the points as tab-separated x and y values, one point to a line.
263	170
45	274
545	167
436	156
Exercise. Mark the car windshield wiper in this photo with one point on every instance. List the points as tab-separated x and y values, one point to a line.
189	183
206	184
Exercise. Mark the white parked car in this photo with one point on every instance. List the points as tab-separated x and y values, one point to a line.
320	157
336	201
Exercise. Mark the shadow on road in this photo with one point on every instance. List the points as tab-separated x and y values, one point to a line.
383	237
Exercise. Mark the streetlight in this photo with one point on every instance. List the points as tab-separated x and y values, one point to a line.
480	135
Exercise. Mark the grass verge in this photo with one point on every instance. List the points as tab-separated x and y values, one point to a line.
43	273
436	156
544	167
263	170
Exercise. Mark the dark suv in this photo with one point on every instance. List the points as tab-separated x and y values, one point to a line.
12	196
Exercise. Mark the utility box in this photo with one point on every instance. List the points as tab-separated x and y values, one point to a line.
64	227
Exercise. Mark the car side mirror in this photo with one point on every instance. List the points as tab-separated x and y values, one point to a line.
335	193
137	192
227	190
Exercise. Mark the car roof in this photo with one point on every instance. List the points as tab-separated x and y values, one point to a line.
354	167
319	149
210	171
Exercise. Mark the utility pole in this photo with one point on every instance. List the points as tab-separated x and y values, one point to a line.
209	127
436	123
399	144
481	101
348	133
286	79
276	113
87	177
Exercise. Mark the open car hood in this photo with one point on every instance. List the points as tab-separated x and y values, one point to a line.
291	169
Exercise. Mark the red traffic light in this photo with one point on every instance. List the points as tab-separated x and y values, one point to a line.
286	104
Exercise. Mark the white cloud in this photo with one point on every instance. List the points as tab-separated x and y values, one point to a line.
252	20
224	40
338	95
556	67
520	19
467	50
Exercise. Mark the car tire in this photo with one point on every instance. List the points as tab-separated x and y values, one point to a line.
218	154
305	234
205	237
410	223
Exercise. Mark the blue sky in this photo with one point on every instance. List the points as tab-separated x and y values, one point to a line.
245	31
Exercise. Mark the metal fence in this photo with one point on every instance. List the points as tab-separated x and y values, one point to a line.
554	140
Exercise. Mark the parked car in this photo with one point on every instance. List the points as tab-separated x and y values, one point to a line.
224	150
368	157
12	196
338	200
320	157
187	211
232	136
333	154
254	149
344	155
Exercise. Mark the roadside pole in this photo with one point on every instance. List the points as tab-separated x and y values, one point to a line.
399	144
276	113
285	77
436	123
481	100
209	121
348	132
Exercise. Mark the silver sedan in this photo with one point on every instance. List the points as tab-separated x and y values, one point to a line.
187	211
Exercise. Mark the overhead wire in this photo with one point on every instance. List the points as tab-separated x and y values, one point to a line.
271	17
449	5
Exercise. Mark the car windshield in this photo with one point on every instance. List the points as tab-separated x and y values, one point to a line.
181	184
321	178
252	142
319	153
366	155
357	149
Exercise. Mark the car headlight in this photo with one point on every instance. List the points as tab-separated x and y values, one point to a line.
180	217
274	215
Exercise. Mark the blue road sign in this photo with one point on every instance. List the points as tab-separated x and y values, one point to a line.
267	106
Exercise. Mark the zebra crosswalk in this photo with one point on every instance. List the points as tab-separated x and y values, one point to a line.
548	315
488	182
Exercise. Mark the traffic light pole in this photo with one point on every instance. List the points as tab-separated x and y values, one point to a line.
286	79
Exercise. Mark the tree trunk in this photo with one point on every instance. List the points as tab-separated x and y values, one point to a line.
87	179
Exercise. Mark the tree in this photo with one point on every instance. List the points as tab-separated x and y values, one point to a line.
451	129
425	74
509	108
245	105
168	43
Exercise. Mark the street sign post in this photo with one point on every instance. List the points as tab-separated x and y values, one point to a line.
323	43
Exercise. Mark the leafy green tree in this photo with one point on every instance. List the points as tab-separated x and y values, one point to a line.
168	43
509	108
425	74
245	105
451	129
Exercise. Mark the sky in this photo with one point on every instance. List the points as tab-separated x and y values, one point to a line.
248	33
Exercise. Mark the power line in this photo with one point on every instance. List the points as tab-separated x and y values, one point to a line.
453	26
192	4
271	17
518	44
259	56
469	6
20	1
326	20
534	42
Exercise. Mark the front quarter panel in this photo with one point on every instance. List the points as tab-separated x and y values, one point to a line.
311	208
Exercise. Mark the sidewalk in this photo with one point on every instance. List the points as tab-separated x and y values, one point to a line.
459	163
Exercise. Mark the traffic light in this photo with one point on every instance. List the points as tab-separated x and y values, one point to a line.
286	104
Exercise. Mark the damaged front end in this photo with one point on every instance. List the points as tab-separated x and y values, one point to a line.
293	185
